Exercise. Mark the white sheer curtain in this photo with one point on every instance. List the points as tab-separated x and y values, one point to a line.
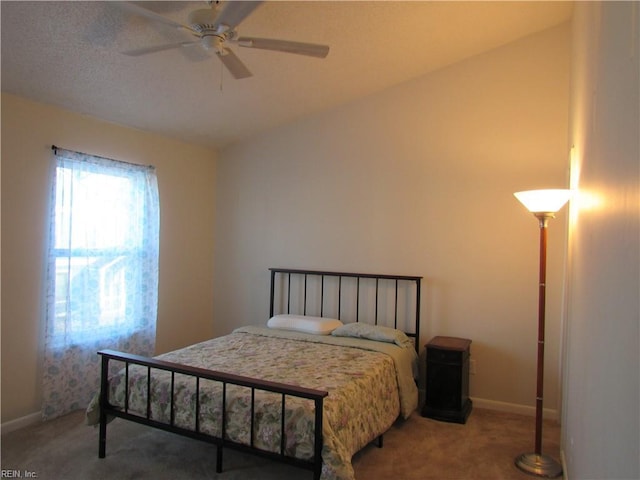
102	272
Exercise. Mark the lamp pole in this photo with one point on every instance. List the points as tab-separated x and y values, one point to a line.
537	463
544	220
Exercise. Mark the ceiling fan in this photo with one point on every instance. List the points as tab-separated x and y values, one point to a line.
214	27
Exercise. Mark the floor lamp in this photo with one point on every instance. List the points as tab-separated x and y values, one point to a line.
543	204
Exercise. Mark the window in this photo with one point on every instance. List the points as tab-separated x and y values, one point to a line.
102	269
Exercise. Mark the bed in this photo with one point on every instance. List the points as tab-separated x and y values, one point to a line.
329	372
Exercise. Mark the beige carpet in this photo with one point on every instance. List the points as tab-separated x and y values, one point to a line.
419	448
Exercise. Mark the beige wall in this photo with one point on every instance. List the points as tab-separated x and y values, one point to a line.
601	387
186	176
418	180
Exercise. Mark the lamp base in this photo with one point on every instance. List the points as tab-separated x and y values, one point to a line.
539	465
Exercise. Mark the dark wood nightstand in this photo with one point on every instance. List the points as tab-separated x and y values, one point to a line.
447	388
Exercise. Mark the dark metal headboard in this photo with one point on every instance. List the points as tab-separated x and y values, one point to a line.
314	292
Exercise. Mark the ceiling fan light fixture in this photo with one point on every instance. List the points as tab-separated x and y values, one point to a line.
211	42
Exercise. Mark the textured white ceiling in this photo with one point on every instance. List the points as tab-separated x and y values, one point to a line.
67	54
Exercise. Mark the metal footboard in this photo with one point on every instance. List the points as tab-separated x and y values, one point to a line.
107	409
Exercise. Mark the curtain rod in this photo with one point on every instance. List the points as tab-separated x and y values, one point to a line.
55	149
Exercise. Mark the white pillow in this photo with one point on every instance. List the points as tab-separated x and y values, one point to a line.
304	323
374	332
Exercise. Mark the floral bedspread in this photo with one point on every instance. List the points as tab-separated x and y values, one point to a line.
366	381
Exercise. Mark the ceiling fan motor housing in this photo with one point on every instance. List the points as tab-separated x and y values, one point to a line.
212	34
204	18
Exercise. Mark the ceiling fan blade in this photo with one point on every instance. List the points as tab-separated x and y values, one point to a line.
309	49
136	52
143	12
235	66
235	12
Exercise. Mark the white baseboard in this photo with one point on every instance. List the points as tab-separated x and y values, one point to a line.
21	422
563	461
548	413
513	408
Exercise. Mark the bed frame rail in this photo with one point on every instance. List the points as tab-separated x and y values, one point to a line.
107	409
399	286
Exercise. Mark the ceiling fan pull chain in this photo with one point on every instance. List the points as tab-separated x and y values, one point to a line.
221	76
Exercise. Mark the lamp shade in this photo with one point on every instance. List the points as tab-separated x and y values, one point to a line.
543	201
